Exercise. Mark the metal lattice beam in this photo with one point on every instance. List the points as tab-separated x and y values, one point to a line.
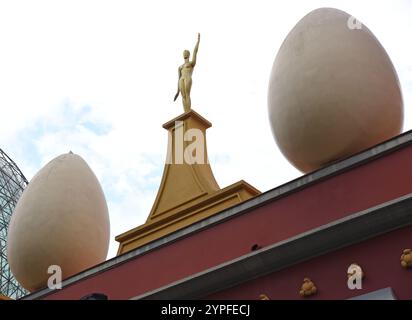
12	184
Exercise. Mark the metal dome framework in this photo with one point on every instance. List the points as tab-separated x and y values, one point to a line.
12	184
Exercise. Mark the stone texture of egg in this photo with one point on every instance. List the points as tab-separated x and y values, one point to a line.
60	219
333	91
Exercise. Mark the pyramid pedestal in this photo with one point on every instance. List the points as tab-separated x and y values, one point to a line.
188	191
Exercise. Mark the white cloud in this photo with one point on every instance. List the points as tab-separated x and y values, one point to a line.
118	60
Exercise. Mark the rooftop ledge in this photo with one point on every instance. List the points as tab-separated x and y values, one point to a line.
331	170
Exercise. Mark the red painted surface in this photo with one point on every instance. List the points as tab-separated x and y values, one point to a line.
378	181
379	258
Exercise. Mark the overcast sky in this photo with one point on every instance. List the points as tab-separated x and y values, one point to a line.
98	78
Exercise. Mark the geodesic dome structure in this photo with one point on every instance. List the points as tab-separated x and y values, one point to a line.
12	184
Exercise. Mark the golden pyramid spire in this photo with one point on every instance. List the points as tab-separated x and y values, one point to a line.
188	191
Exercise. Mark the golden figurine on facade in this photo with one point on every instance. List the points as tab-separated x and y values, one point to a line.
406	258
308	288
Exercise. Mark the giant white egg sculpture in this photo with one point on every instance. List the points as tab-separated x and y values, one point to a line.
333	91
60	219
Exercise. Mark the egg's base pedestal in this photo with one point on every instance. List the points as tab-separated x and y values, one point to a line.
188	191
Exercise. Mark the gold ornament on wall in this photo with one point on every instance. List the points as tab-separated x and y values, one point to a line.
308	288
406	258
263	297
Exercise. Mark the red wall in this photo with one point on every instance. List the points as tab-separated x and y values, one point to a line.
381	180
379	259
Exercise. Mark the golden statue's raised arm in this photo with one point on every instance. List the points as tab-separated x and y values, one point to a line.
185	76
195	50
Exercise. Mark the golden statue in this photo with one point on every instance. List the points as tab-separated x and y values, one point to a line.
185	76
